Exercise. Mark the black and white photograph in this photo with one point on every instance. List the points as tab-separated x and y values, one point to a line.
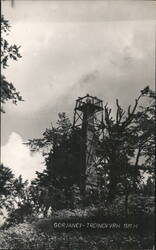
78	95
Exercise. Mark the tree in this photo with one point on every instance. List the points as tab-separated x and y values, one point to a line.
148	188
14	196
8	91
6	184
145	120
56	182
128	137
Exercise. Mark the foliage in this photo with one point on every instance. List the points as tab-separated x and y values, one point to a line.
145	119
138	207
14	196
56	183
8	91
126	153
148	188
6	184
6	177
127	138
26	236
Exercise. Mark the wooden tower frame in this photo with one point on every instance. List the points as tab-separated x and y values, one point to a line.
88	124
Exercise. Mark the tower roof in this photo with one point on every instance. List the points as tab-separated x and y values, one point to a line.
88	100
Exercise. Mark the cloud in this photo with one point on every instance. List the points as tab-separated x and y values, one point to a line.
65	11
18	158
64	57
56	55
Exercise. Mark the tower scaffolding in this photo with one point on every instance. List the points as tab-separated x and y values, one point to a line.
88	129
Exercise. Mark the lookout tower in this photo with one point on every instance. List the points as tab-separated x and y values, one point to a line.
87	129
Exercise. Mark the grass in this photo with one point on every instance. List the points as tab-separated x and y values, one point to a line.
41	234
28	236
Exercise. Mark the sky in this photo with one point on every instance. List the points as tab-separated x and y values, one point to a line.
70	48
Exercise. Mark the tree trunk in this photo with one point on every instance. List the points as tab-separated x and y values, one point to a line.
126	204
112	187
